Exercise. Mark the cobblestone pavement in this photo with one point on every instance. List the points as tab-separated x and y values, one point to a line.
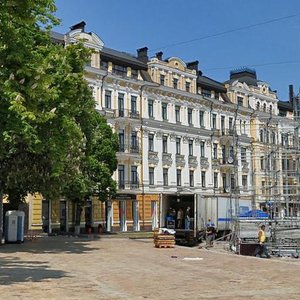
118	268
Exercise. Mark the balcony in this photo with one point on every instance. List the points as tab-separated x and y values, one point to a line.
134	115
134	149
167	159
180	160
193	163
126	113
227	164
215	163
204	162
107	112
128	185
227	135
153	157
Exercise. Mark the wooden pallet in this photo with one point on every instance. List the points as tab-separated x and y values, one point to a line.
165	246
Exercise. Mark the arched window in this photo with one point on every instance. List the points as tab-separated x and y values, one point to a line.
265	107
271	109
261	135
257	105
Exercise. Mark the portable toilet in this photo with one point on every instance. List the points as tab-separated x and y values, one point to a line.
14	226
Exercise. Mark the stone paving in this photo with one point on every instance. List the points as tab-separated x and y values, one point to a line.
122	268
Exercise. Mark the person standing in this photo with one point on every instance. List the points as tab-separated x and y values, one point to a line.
187	220
261	247
210	233
179	218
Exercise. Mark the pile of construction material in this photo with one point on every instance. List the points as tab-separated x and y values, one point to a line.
164	238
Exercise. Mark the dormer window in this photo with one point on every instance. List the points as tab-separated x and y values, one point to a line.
265	107
162	79
257	106
206	93
240	101
119	70
187	86
175	83
104	65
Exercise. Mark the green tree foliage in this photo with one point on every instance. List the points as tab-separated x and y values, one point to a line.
51	138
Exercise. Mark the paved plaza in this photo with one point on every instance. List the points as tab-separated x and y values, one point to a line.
121	268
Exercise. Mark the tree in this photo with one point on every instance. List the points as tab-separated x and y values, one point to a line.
47	114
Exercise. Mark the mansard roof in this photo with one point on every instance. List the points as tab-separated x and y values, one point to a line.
210	84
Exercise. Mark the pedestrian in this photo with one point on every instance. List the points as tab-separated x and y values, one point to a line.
187	218
179	218
261	248
210	233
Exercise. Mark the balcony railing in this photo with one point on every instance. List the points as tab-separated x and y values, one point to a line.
126	148
153	157
180	160
126	113
126	185
204	162
167	159
193	163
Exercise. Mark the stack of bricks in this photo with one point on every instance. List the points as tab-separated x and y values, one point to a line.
164	240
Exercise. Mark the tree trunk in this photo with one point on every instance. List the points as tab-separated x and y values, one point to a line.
77	218
1	217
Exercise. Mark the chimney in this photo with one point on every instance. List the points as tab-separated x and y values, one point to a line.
80	25
159	55
193	65
291	93
142	54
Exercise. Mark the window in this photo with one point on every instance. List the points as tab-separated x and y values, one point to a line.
151	176
178	177
201	118
134	141
165	144
178	148
271	109
121	140
261	135
215	151
263	187
240	101
121	104
151	142
191	178
217	95
165	177
177	113
164	113
215	179
244	181
257	106
244	127
232	181
150	108
133	104
134	73
223	125
190	147
103	65
262	163
121	176
214	121
273	138
187	86
224	182
202	149
230	123
265	107
243	155
206	93
175	83
190	116
107	99
162	79
119	70
134	175
203	183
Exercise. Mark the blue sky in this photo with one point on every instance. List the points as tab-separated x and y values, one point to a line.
126	25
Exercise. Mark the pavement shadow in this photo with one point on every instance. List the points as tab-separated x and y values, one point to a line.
13	270
53	245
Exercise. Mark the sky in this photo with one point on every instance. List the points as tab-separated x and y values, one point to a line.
210	31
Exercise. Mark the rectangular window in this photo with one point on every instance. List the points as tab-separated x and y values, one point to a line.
215	179
151	142
103	64
134	175
214	121
134	73
121	176
243	154
133	104
263	187
262	163
223	125
165	144
108	99
121	140
191	148
206	93
162	79
151	176
164	111
215	151
201	118
121	104
217	95
202	149
191	178
134	141
150	108
232	182
119	70
190	116
224	182
178	146
178	177
230	123
244	180
203	181
240	101
165	177
187	86
175	83
177	113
